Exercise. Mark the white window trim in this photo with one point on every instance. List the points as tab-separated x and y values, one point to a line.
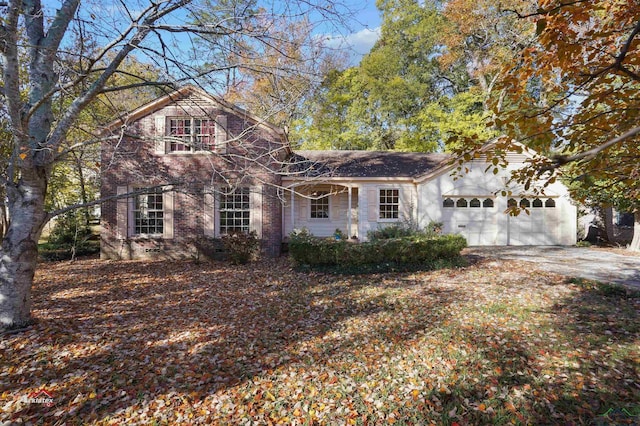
468	198
167	215
192	135
218	211
389	220
329	206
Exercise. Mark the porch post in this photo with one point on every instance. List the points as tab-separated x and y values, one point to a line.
293	220
349	213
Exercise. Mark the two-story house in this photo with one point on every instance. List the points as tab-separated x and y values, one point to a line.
188	167
196	167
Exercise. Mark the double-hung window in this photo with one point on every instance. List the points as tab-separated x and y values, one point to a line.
191	134
320	206
389	204
148	213
235	210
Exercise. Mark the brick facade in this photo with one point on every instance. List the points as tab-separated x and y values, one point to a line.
250	157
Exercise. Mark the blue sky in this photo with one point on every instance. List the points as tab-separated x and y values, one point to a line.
363	28
355	28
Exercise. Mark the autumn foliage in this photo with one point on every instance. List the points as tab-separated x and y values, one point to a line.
211	343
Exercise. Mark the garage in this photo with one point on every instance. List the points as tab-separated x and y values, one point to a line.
537	223
482	221
475	218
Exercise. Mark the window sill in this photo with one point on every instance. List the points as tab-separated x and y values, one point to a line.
145	237
179	153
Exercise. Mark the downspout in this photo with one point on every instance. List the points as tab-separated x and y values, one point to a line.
293	198
417	195
349	232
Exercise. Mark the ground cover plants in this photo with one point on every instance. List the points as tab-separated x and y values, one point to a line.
495	342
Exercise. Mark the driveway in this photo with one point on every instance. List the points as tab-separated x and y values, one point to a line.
579	262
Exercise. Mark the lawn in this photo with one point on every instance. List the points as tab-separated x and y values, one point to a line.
184	343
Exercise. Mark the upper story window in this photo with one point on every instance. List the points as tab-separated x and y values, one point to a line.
191	134
389	205
320	206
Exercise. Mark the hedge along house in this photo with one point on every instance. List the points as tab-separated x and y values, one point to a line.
195	168
187	168
359	191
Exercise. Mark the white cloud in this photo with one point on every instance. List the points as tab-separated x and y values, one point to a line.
358	43
362	41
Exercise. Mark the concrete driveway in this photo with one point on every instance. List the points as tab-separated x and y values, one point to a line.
579	262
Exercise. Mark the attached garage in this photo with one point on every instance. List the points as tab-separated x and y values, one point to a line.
482	220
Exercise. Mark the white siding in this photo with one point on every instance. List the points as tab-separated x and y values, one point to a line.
368	205
491	226
338	210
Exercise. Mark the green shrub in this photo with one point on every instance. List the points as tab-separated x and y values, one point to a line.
433	229
398	230
71	236
308	250
241	247
56	252
404	230
69	228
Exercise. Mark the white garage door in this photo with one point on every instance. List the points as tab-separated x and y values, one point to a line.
538	227
473	217
483	222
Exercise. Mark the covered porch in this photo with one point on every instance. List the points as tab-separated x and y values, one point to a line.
322	208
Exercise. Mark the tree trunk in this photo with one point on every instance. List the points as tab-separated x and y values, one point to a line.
19	251
84	199
3	218
635	243
608	225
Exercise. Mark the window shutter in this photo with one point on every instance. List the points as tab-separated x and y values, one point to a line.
255	201
122	213
209	212
334	204
372	209
406	204
303	209
221	134
160	143
167	207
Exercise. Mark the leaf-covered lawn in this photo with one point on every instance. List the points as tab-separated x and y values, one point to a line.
184	343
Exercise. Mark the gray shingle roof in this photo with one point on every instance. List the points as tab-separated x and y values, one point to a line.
367	164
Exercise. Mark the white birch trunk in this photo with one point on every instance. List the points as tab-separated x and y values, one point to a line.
635	243
19	252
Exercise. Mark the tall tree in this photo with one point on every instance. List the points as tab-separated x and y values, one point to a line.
39	130
275	79
402	95
572	95
483	36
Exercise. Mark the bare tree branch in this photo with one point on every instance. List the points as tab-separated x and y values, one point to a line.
588	155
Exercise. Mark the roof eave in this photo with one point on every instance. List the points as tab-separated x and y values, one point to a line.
179	93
